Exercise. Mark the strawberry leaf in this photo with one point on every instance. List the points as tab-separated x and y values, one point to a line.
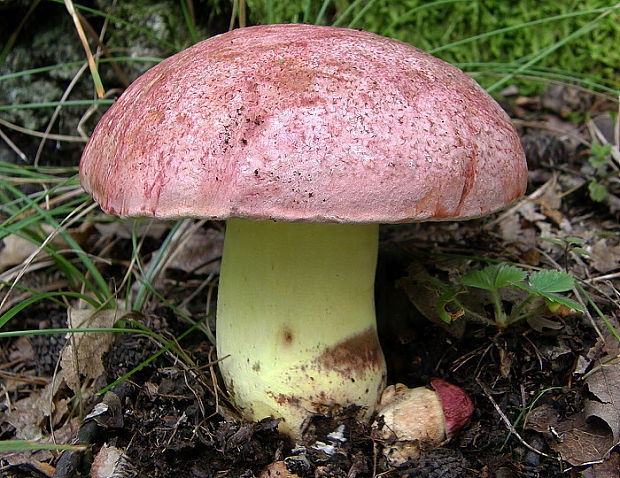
551	281
560	299
493	277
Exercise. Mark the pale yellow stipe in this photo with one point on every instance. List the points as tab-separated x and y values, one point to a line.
296	319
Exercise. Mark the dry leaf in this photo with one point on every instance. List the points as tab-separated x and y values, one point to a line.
587	437
605	258
82	357
564	100
30	417
610	468
124	229
425	296
14	250
568	131
581	442
512	231
199	253
19	350
29	414
108	412
540	323
542	419
529	211
604	385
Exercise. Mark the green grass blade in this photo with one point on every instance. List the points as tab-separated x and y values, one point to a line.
550	49
32	300
541	73
361	13
341	19
102	290
24	445
511	28
189	22
598	311
22	333
270	12
76	64
319	17
54	104
154	266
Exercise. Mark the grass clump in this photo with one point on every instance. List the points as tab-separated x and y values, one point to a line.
475	33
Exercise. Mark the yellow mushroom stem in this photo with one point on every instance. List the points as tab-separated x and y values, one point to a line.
296	328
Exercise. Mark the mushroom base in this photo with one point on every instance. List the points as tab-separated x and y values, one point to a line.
296	329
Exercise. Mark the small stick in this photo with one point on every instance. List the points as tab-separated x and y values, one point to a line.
508	424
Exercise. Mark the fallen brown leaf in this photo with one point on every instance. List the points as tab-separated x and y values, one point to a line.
604	385
610	468
581	442
82	357
605	257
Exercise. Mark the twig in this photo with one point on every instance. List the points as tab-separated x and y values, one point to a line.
509	425
603	277
39	134
13	146
57	112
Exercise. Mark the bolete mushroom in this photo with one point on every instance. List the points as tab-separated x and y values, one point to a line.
304	138
410	420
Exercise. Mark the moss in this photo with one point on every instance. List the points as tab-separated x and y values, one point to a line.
433	25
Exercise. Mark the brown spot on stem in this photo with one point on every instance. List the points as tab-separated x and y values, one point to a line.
256	366
287	337
354	356
282	399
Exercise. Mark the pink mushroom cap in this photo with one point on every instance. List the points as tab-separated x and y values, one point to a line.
304	123
456	403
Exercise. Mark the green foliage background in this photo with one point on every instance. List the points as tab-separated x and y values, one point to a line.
434	25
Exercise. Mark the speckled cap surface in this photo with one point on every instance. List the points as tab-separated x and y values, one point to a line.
304	123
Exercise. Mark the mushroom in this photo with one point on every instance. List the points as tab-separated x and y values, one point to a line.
410	420
304	138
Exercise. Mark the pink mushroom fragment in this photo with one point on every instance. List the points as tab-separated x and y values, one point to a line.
268	127
408	421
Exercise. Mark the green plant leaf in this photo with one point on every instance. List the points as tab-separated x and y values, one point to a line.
445	298
493	277
551	297
597	191
600	155
508	275
575	240
557	242
560	299
597	161
478	279
551	281
582	251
